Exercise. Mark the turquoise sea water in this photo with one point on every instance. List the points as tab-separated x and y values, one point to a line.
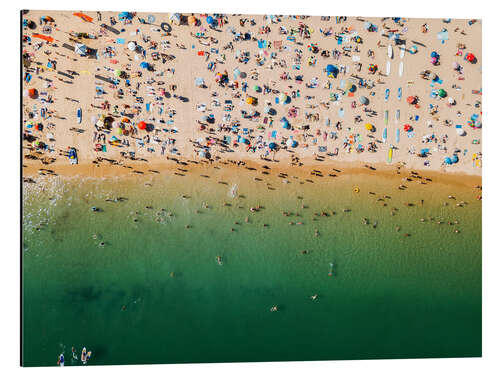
155	293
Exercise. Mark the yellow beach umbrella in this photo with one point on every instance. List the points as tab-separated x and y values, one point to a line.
369	127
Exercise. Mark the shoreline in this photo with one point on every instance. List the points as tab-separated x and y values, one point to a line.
142	169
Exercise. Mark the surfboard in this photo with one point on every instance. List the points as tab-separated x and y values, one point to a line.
79	115
386	117
386	97
397	114
400	91
388	68
390	52
398	135
401	52
389	156
401	67
384	135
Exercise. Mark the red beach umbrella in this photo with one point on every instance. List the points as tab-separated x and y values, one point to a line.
142	125
407	127
411	100
470	57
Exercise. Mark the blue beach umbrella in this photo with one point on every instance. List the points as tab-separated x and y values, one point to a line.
210	20
447	160
332	71
125	16
273	146
454	159
285	123
144	65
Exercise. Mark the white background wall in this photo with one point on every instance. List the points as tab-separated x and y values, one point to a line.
10	194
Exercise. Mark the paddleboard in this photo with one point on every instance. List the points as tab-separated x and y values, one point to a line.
79	115
386	117
390	52
384	135
389	156
400	91
401	52
397	114
398	135
401	69
386	97
388	68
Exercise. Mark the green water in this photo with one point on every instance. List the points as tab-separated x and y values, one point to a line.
390	296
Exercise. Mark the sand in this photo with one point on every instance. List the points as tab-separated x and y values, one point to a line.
188	65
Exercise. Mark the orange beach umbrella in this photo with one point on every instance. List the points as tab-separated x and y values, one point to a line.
83	17
44	37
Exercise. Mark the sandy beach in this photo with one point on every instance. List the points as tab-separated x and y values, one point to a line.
192	97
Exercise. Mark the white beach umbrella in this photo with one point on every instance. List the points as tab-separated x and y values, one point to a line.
131	46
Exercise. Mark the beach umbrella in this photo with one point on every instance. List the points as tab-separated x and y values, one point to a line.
122	16
236	73
295	144
369	127
80	49
411	100
283	98
25	93
131	46
433	76
192	20
210	20
118	73
451	101
470	57
434	54
447	160
460	131
273	146
142	125
332	71
199	81
285	123
364	100
175	18
144	65
289	142
115	124
454	158
372	68
442	93
256	88
407	127
32	93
